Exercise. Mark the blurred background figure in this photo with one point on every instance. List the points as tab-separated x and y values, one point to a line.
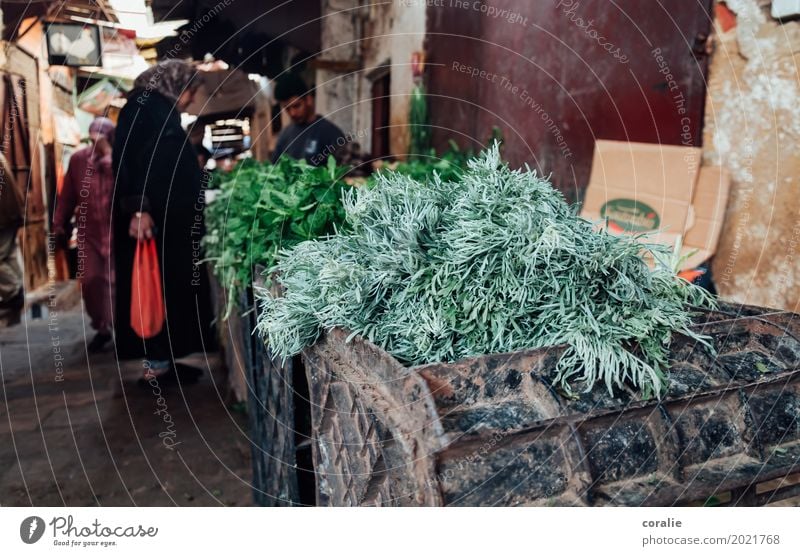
310	136
86	194
160	195
12	209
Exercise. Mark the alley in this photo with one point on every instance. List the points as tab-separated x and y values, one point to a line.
80	431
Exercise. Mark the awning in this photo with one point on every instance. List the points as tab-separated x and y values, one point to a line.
251	36
225	92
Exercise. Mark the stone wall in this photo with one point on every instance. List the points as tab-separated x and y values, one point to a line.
337	91
368	35
752	127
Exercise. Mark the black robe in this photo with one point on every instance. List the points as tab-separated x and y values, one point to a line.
157	172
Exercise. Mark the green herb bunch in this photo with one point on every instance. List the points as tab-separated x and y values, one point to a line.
262	208
493	262
449	165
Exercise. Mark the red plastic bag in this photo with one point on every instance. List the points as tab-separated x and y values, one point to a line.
147	302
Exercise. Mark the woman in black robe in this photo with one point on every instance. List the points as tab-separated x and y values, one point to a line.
159	193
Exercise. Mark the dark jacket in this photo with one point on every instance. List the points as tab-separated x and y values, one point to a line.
313	142
157	172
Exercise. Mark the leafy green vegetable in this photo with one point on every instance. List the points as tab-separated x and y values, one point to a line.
449	166
262	208
421	164
491	262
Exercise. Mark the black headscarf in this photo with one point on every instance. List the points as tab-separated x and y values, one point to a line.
168	77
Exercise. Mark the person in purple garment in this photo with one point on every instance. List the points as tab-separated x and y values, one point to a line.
86	194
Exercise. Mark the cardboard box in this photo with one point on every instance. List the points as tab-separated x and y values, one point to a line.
710	203
661	190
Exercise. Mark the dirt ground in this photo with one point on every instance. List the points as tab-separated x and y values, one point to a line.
78	430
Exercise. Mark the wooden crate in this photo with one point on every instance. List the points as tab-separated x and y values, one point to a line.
492	430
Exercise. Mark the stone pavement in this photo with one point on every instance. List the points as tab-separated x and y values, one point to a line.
77	430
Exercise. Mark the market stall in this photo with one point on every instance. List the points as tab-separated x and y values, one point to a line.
612	382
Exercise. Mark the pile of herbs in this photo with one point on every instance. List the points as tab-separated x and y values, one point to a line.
422	166
262	208
494	261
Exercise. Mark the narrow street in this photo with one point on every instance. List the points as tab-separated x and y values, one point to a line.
80	431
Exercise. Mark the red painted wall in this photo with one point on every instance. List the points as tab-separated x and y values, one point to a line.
583	70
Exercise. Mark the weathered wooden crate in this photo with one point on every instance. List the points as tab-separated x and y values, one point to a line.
251	380
234	334
278	409
492	430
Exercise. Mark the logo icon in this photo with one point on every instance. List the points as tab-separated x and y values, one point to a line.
31	529
628	215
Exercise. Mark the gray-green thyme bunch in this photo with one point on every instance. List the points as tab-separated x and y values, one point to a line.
494	262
